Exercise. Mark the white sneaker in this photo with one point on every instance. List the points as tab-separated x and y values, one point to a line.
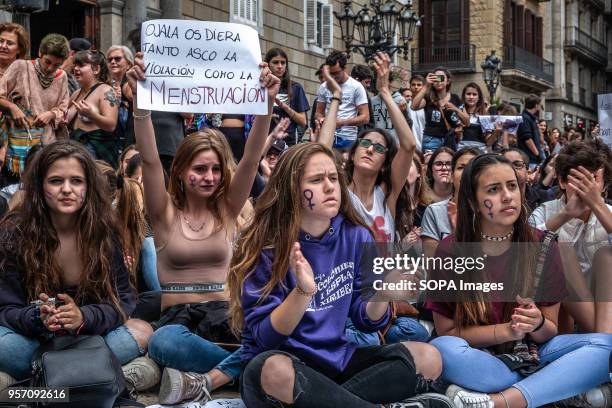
177	386
600	397
142	373
6	380
463	398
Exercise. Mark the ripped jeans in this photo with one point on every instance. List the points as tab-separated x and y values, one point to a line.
375	375
21	348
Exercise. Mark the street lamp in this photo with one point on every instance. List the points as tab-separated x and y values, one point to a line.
491	68
376	27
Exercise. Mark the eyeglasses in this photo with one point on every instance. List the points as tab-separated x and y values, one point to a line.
115	59
378	148
518	164
441	164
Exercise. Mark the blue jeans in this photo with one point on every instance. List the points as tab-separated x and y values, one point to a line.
148	262
577	363
431	143
406	329
341	143
21	348
175	346
358	337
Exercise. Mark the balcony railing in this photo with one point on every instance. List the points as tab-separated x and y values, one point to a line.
569	91
586	45
521	59
582	96
460	58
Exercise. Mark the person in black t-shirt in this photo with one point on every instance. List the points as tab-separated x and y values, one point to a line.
474	105
441	108
291	100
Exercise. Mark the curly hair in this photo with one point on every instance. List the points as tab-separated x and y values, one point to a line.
590	154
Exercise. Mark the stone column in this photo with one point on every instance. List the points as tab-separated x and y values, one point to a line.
557	41
172	9
134	13
111	23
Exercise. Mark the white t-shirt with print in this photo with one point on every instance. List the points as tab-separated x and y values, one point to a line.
353	95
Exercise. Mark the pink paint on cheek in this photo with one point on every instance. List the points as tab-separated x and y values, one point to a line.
82	197
192	181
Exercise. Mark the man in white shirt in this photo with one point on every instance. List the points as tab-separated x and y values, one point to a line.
353	110
418	117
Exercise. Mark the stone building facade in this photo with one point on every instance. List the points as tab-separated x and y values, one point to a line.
459	34
576	38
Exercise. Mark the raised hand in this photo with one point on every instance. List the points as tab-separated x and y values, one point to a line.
587	186
137	72
331	83
574	207
382	64
302	270
268	80
280	130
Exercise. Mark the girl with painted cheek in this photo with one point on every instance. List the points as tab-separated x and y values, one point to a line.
476	328
472	134
195	222
64	243
286	302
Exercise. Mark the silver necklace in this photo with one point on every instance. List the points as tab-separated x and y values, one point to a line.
191	227
503	238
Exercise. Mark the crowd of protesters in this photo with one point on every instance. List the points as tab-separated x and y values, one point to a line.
216	249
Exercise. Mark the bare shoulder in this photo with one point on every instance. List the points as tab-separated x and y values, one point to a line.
106	93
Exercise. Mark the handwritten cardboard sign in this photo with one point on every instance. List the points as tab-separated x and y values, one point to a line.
201	66
604	113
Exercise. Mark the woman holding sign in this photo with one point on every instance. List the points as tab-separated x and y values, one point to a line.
194	224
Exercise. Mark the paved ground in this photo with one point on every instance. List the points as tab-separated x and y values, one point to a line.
150	397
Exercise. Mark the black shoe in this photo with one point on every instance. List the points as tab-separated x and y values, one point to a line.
428	400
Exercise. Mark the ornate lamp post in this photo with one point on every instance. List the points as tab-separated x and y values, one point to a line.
377	26
491	68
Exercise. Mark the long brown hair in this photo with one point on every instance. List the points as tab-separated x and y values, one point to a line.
474	307
130	213
276	223
188	149
98	238
404	213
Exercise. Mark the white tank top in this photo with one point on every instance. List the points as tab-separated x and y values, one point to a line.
379	218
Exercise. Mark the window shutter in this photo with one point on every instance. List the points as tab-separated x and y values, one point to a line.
248	12
236	8
327	26
520	26
508	22
538	37
243	8
528	31
311	21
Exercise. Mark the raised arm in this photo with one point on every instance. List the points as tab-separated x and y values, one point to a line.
242	181
328	129
157	200
400	167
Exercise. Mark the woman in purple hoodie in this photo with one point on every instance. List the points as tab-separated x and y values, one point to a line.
295	279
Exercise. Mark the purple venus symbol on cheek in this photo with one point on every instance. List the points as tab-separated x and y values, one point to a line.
308	194
489	205
192	181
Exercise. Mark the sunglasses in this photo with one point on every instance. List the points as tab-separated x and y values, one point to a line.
115	59
378	148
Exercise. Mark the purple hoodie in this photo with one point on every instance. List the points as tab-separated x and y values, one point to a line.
319	338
